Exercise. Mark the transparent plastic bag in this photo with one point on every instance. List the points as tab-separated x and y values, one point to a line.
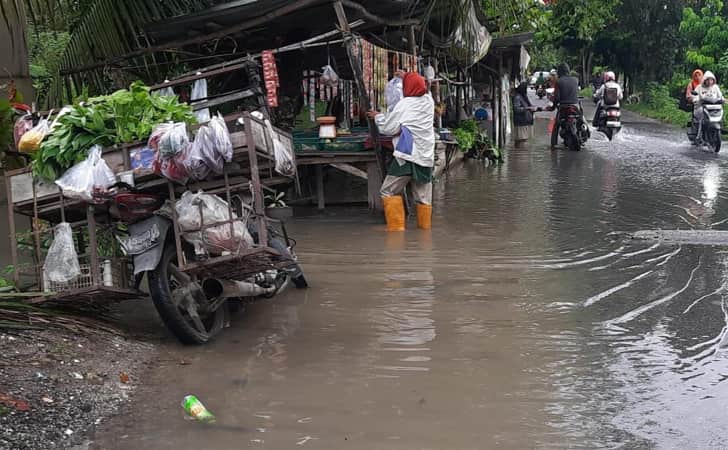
201	150
285	164
194	208
393	92
22	126
221	141
329	77
31	140
87	179
61	263
199	91
169	138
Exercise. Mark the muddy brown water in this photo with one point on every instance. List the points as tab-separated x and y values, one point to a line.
526	319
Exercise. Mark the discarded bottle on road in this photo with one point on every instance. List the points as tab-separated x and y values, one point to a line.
194	407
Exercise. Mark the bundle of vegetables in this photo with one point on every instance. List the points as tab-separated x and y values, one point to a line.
122	117
466	134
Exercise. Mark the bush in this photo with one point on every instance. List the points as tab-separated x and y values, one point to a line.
657	103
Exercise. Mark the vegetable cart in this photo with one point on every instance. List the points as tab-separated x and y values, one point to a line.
191	282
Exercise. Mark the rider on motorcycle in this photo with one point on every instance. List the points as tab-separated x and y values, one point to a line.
708	91
609	83
566	94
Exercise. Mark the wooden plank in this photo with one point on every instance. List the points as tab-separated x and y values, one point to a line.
348	168
338	159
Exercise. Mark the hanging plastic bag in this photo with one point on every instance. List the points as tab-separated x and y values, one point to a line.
201	150
22	126
195	208
329	77
199	91
221	142
393	92
88	179
31	140
169	138
61	263
285	163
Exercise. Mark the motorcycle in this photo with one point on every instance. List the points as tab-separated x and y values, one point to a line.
195	306
609	119
572	128
540	92
709	127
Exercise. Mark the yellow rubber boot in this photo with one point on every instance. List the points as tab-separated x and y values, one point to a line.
424	216
394	212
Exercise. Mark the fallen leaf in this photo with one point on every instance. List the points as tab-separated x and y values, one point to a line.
124	377
19	405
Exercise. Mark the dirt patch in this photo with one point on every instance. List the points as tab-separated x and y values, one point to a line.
57	386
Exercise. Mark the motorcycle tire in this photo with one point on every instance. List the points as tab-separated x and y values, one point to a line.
714	140
181	327
609	132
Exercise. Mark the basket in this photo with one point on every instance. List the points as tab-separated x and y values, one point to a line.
112	274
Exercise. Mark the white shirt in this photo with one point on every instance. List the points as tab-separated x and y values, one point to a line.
418	115
610	85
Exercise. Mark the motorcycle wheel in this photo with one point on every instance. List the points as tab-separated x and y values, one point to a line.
179	312
714	140
609	132
572	142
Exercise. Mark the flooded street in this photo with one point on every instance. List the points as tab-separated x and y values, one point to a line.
527	318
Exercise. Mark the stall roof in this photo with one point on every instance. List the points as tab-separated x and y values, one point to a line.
513	40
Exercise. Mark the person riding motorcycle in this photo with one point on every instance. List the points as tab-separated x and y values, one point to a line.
609	83
566	94
540	81
708	91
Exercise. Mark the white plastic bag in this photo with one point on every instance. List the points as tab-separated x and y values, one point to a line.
30	141
199	91
169	139
221	141
61	263
90	177
201	149
285	164
214	240
393	92
329	77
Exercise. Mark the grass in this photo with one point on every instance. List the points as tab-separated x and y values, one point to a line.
660	105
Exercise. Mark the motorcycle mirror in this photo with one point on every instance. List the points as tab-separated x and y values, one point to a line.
694	93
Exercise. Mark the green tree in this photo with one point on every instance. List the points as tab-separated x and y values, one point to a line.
575	26
706	34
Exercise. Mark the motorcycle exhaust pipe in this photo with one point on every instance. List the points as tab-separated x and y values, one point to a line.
214	288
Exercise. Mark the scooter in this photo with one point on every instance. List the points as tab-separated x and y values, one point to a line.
572	127
540	92
609	120
709	128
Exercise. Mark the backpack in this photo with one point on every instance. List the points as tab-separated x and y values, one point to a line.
611	96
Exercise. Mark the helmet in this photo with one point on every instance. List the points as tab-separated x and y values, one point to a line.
609	76
553	72
708	75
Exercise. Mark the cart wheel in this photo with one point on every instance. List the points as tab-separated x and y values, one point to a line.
182	311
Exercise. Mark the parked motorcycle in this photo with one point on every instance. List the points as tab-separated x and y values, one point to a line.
195	306
572	127
709	127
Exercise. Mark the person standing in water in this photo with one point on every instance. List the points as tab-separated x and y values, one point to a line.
522	114
411	122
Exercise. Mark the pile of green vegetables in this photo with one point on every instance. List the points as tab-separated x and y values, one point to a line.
475	142
122	117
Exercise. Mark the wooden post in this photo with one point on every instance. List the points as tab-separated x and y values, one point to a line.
256	189
412	41
353	52
320	186
11	226
374	183
93	246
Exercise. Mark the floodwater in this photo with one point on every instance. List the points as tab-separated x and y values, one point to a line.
526	319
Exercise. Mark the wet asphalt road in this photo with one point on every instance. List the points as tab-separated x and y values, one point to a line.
528	318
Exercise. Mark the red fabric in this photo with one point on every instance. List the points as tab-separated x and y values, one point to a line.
414	85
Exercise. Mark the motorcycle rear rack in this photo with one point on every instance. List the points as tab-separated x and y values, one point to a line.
239	266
